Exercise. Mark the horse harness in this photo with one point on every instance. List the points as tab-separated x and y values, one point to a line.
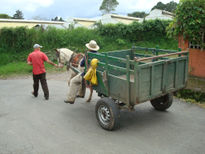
74	60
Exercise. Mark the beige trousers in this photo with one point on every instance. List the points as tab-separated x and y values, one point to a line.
76	88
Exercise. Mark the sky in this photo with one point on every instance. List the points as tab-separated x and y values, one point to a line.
47	9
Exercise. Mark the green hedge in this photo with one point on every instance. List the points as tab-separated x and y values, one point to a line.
16	43
197	96
147	30
22	39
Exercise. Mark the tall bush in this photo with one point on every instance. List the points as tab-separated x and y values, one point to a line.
189	21
109	37
147	30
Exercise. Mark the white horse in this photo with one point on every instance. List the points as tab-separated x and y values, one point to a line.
68	57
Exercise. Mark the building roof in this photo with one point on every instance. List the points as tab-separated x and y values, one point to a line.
159	14
124	17
84	19
167	13
32	21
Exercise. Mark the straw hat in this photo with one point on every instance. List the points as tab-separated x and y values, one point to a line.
92	45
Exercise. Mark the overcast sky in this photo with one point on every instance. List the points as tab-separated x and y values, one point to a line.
48	9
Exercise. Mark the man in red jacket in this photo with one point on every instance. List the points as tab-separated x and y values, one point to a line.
37	59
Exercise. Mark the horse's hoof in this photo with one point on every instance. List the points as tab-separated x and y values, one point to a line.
88	100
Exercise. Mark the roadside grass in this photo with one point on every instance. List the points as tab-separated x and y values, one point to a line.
191	96
202	105
193	101
21	68
14	63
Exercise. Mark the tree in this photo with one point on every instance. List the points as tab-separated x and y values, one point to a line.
5	16
160	6
108	6
171	6
189	22
18	15
138	14
57	19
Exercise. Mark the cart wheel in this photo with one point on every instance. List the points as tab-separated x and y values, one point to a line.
107	113
162	103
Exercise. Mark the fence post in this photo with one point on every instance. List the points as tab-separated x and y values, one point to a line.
179	49
157	47
107	72
128	79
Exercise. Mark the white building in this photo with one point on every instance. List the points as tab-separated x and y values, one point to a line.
81	22
105	19
159	14
114	19
30	23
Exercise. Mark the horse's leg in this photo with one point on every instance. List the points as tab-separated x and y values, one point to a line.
91	93
81	92
71	74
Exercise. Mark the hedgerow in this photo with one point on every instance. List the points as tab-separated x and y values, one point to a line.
16	43
147	30
189	22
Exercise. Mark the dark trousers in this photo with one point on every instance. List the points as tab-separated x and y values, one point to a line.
42	78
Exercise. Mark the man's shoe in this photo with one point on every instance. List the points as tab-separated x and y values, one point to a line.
66	101
46	98
33	94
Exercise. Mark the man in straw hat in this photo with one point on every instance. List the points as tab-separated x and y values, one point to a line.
76	82
37	59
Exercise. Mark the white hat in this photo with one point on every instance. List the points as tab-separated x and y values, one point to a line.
37	46
92	45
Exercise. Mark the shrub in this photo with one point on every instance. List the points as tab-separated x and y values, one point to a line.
16	43
190	94
189	21
147	30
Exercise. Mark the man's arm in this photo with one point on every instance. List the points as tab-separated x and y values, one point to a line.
50	62
45	58
29	61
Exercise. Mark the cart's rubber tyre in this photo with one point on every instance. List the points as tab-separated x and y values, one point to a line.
162	103
107	114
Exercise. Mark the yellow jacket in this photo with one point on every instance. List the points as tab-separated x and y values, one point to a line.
91	73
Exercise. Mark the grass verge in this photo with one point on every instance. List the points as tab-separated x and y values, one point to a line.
21	68
191	96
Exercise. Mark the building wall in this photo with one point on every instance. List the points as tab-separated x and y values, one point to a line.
124	21
114	19
157	14
27	23
197	62
85	23
13	24
196	59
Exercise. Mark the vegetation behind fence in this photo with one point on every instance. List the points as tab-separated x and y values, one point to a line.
16	43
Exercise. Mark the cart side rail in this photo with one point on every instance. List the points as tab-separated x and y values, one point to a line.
160	77
161	56
154	50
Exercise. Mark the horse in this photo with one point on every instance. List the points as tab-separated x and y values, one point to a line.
67	57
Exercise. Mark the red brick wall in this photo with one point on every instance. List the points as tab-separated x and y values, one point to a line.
196	59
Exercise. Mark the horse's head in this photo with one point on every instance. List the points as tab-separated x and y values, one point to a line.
63	55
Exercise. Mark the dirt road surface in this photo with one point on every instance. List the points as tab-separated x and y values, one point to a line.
31	125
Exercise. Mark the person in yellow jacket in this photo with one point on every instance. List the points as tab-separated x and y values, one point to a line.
91	74
77	81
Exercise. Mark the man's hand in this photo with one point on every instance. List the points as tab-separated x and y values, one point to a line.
29	63
50	62
60	66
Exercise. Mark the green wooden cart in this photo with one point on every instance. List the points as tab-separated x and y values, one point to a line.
130	77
